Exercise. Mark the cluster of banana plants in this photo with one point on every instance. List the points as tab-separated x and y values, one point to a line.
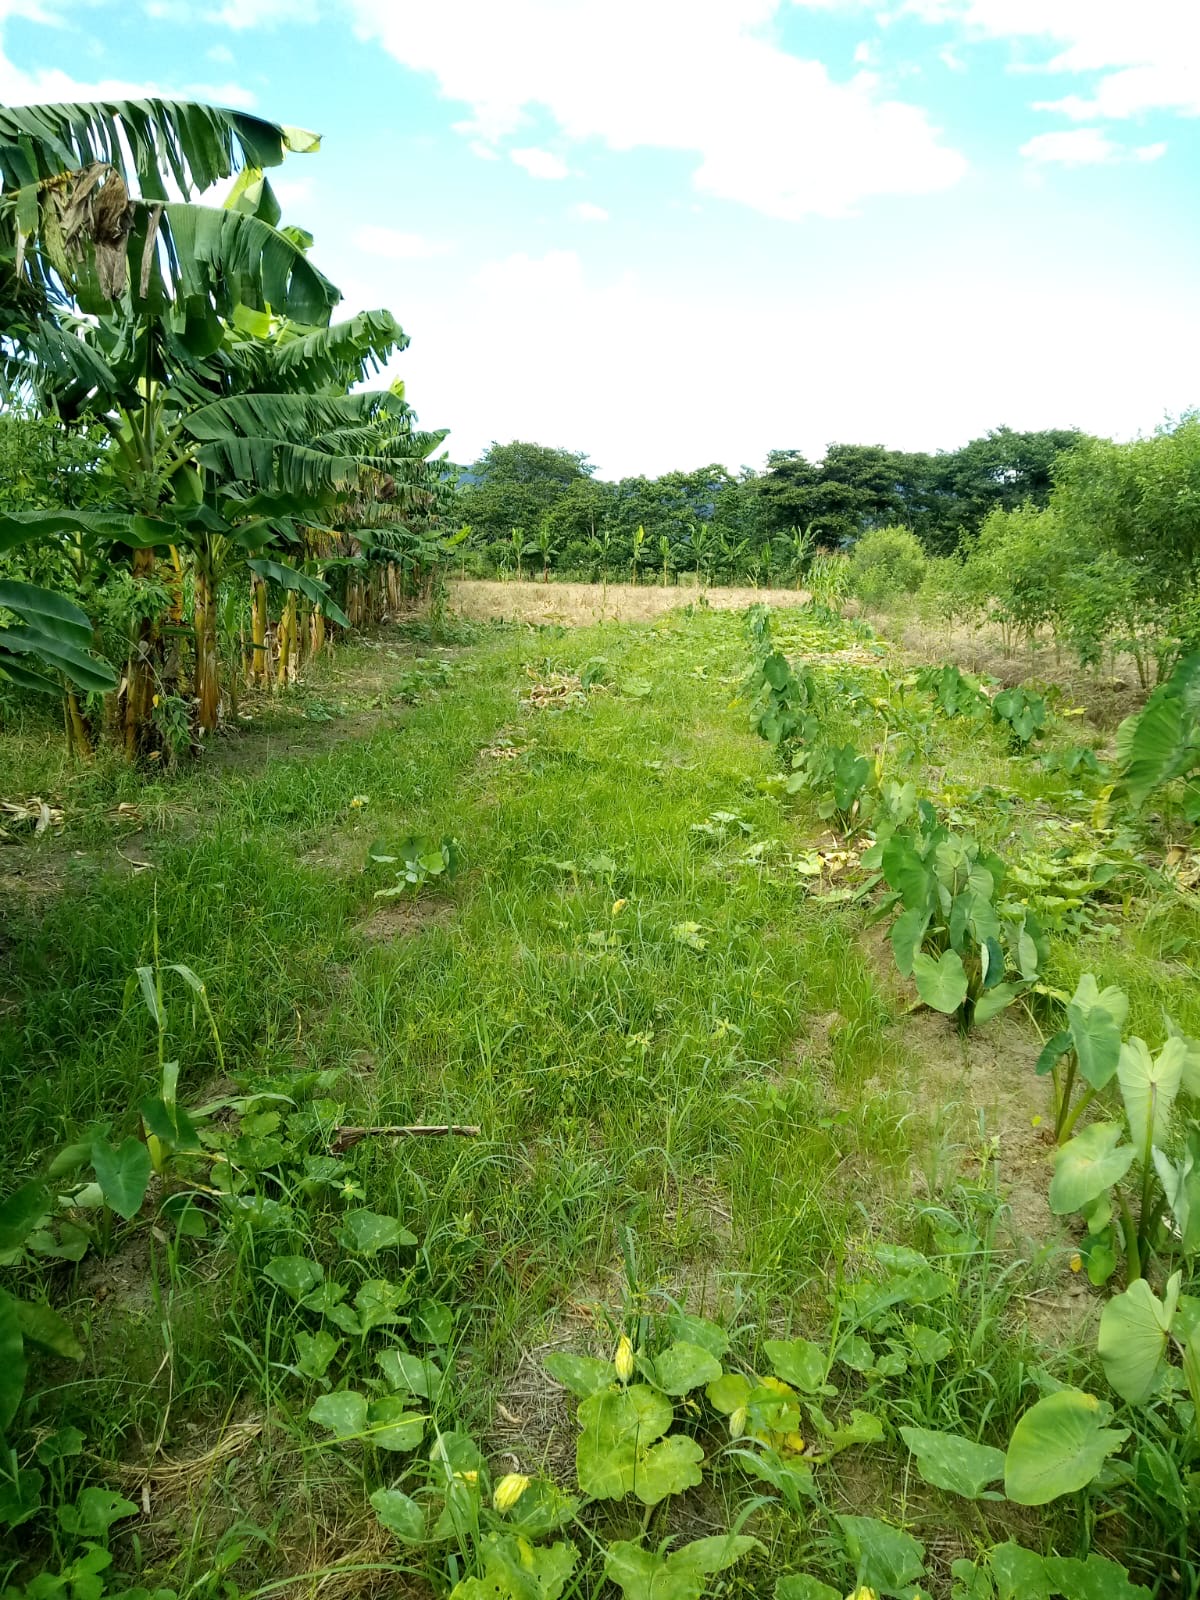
242	459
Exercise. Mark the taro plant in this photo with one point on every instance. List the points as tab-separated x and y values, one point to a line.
840	778
419	859
1089	1047
1135	1182
1021	713
969	952
1161	745
782	701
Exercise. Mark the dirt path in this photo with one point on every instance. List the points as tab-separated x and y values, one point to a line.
577	604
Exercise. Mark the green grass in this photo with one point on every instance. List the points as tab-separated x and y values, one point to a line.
693	1081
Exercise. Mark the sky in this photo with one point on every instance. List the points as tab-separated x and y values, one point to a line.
675	232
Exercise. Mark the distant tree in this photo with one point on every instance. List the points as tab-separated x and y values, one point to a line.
517	485
1000	471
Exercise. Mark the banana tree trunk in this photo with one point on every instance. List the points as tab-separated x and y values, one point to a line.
259	667
137	729
79	740
204	633
285	670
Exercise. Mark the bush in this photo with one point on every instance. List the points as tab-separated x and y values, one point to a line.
886	562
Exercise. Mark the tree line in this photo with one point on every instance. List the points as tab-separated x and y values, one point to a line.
531	508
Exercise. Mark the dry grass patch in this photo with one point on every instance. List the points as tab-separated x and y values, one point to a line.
577	604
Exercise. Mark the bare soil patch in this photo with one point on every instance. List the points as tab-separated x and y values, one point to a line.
578	604
403	918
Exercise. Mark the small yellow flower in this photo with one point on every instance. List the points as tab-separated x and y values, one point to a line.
509	1490
1076	1262
359	801
618	906
1035	1122
737	1423
155	700
794	1443
623	1360
862	1593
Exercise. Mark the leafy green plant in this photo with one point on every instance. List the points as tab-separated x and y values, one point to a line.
970	952
1161	745
840	778
1157	1212
885	563
419	859
1088	1048
1021	712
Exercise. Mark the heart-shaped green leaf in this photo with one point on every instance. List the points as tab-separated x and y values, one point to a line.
797	1361
123	1173
1087	1165
400	1515
683	1367
366	1233
1133	1338
942	984
1058	1446
1149	1087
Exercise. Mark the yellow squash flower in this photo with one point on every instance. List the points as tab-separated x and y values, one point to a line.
509	1490
623	1360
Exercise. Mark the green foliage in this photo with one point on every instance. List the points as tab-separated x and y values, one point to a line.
970	952
886	563
1161	745
419	859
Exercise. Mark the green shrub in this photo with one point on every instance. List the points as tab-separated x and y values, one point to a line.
886	562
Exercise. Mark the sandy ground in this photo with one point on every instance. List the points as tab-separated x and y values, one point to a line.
579	603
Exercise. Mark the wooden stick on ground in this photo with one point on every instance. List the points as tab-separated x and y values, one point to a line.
345	1138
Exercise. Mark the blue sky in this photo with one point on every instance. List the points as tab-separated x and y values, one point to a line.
670	232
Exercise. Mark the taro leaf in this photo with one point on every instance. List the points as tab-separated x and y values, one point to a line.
1093	1579
1180	1185
366	1233
1095	1021
906	873
391	1426
948	1461
942	984
1087	1165
1058	1446
1133	1338
316	1351
1052	1050
698	1330
651	1575
683	1367
908	933
400	1515
799	1362
1020	1574
123	1172
41	1325
799	1586
21	1213
582	1375
885	1557
432	1322
992	1001
343	1413
1149	1087
295	1275
12	1360
414	1374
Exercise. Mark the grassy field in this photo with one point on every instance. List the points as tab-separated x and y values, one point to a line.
701	1089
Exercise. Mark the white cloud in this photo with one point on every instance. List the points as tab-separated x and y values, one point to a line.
45	85
703	77
951	60
483	151
541	164
220	53
1150	152
585	211
393	245
1145	53
1081	147
927	389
